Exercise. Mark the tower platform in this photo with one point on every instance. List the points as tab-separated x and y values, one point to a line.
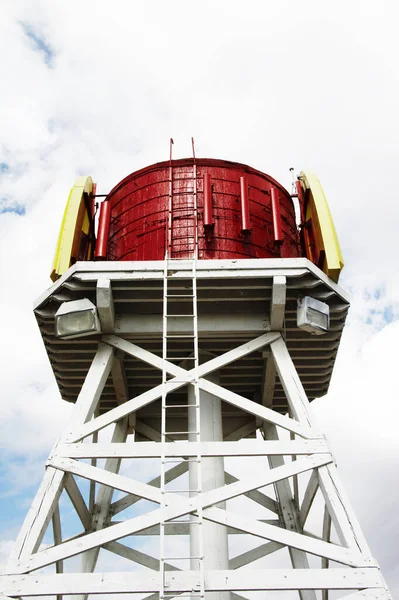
235	303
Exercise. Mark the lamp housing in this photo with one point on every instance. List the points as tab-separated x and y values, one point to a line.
313	315
77	318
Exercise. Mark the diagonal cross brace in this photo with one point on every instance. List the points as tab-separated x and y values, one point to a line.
178	507
183	377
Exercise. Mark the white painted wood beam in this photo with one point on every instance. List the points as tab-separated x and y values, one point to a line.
291	383
241	432
121	387
38	517
122	411
136	556
266	414
288	511
205	368
150	433
191	449
119	379
326	537
257	496
186	581
209	325
147	397
255	554
57	534
109	479
51	488
74	493
92	388
286	537
144	355
309	496
177	508
235	596
105	305
269	382
277	309
129	500
101	514
184	528
371	594
343	517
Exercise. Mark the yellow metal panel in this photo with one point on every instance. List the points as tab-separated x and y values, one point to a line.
318	212
74	222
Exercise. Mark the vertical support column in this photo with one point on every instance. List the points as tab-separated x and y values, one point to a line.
288	510
212	468
101	514
46	499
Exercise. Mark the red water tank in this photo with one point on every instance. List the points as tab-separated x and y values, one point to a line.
232	210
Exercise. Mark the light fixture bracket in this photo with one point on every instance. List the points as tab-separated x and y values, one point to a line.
77	318
313	315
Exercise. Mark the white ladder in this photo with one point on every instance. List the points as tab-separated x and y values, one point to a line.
188	336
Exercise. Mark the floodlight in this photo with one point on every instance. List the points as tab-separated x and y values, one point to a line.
77	318
313	315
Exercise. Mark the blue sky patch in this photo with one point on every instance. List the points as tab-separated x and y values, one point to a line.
39	43
3	167
18	209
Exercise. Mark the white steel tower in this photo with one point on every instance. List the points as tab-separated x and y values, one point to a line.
191	459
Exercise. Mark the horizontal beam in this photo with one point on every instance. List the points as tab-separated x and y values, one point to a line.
211	325
184	528
177	508
186	581
189	449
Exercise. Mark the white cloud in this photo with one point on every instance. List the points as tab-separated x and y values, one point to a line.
274	85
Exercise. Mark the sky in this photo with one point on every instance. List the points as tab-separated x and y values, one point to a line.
98	88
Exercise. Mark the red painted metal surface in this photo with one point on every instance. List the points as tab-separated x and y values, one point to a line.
208	213
208	216
245	219
153	211
103	230
276	214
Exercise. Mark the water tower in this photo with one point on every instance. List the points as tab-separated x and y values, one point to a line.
191	321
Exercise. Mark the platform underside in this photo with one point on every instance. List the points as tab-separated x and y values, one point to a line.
234	306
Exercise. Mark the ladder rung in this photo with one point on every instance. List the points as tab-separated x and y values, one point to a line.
180	460
180	357
184	595
178	381
181	521
179	295
182	491
180	405
185	316
180	336
180	432
183	557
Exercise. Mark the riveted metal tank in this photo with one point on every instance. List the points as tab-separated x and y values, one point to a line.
230	209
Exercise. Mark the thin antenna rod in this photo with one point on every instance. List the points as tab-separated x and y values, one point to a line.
171	149
193	147
293	187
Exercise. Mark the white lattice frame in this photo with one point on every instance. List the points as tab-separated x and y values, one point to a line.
313	456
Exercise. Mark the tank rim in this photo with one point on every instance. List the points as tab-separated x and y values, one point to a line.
211	162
